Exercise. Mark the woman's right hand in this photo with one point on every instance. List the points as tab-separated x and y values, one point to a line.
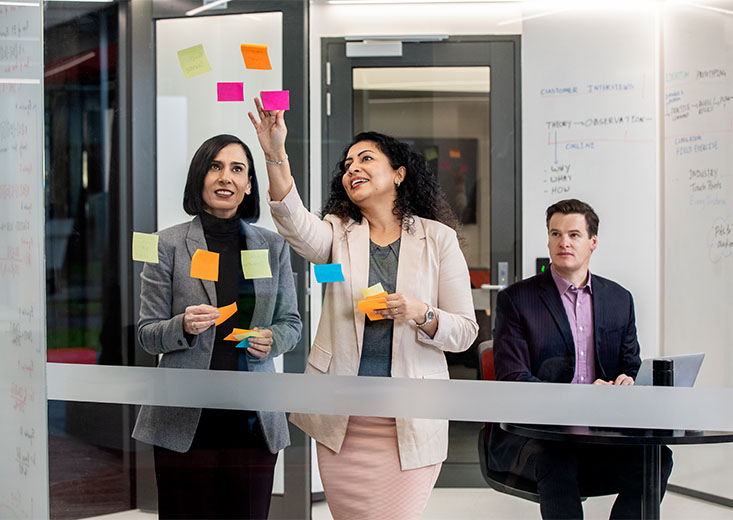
198	318
271	131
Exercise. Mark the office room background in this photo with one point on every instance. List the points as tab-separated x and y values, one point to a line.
627	105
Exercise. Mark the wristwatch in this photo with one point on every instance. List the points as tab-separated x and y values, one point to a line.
429	316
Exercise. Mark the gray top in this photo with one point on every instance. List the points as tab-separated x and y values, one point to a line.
376	352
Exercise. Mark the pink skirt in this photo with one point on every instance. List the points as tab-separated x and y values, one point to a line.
365	479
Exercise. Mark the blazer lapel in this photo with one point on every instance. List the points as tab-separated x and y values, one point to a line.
357	238
551	299
599	320
262	286
412	245
195	239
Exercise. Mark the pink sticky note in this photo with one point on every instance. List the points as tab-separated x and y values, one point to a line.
230	91
463	168
444	165
275	100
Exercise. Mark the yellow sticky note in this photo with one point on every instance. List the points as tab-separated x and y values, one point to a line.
205	265
431	153
225	313
371	291
193	61
235	331
256	263
255	56
247	334
145	247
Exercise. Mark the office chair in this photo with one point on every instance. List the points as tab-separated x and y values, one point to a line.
503	482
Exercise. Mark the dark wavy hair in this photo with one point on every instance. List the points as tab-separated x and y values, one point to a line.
569	206
193	202
419	194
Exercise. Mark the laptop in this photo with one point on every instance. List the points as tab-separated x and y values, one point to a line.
686	367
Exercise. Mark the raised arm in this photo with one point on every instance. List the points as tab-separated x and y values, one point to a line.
271	133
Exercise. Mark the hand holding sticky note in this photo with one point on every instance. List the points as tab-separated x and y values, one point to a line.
328	273
205	265
256	263
275	99
374	298
255	56
193	61
225	313
145	247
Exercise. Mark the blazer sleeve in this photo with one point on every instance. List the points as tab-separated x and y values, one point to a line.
457	327
308	235
511	351
158	331
629	354
286	325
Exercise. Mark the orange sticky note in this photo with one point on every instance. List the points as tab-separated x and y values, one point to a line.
231	337
225	313
454	153
373	316
255	56
372	304
205	265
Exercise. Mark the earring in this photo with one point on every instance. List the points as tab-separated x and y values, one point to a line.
398	183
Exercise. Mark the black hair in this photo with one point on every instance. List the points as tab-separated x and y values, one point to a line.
193	202
419	194
569	206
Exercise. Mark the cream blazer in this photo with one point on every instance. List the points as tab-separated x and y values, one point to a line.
431	268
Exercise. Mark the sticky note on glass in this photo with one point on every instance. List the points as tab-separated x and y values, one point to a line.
463	168
205	265
256	263
230	91
328	273
145	247
225	313
275	99
444	165
371	291
255	56
454	153
193	61
431	153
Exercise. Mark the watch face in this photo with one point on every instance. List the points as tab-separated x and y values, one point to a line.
430	315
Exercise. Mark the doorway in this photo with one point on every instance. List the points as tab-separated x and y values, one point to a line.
456	100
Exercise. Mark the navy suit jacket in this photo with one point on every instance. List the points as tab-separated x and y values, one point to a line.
533	342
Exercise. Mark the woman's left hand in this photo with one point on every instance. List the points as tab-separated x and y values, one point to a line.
403	307
260	347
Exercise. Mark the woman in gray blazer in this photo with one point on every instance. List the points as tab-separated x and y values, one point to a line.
214	463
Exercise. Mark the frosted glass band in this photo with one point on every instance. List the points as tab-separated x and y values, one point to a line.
481	401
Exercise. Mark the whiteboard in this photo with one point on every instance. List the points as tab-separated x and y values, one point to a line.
23	429
588	132
698	216
187	109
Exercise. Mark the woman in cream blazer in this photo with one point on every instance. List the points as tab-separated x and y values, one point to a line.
378	201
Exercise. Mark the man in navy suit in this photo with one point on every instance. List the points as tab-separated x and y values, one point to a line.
568	326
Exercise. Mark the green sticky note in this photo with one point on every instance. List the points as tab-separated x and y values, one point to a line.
256	263
431	153
193	61
145	247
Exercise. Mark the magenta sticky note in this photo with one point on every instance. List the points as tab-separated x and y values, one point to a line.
444	165
275	100
230	91
463	168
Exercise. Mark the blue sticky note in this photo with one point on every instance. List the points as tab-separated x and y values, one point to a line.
243	344
327	273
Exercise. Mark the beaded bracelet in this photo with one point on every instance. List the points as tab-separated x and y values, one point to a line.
276	163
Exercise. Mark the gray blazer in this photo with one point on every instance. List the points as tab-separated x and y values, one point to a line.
167	289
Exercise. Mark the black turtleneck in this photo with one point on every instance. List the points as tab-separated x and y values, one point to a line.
223	237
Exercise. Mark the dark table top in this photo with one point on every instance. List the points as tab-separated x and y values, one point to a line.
606	435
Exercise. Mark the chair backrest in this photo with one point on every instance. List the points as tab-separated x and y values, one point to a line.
486	360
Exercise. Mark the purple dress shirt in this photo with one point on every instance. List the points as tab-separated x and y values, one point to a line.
579	310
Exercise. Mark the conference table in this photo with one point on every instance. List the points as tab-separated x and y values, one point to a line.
651	440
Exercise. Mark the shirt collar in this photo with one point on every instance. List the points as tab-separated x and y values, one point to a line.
563	285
